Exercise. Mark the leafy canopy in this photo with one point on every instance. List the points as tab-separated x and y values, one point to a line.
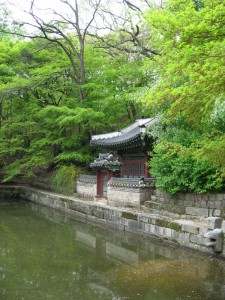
189	94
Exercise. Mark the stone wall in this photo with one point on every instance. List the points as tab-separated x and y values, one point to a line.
183	232
122	196
86	186
127	192
120	191
12	192
188	205
188	232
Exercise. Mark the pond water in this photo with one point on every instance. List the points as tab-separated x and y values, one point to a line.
45	254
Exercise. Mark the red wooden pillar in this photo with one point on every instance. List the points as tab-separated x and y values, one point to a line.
109	175
100	181
99	184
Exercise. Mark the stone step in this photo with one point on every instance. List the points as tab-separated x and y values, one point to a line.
191	226
101	200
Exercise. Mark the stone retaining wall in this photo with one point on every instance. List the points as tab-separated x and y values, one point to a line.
86	186
187	205
184	232
122	196
188	233
11	192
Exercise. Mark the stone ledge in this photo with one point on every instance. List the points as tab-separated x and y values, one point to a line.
191	226
188	233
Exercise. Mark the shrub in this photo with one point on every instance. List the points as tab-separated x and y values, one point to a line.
64	179
177	169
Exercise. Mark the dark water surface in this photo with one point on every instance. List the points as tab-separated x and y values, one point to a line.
44	254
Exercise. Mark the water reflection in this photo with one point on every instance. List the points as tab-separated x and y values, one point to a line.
45	254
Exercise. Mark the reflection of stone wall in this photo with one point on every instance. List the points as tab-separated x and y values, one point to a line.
121	253
86	239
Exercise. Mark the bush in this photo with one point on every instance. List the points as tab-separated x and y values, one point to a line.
64	179
177	169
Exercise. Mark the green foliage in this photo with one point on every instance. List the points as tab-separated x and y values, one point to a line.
190	69
189	94
44	123
115	82
177	165
64	178
73	156
218	115
212	147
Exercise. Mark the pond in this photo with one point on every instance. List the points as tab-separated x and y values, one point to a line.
45	254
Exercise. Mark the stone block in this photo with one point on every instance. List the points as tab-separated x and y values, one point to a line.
151	220
212	204
147	228
203	230
223	226
165	200
161	231
156	230
184	238
214	222
174	235
197	239
187	203
162	194
196	211
142	226
134	225
219	204
212	197
220	197
143	218
190	228
203	204
168	233
216	213
152	229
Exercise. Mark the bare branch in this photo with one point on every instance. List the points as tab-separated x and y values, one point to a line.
132	6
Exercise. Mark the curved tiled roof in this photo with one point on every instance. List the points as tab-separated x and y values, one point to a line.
106	161
129	137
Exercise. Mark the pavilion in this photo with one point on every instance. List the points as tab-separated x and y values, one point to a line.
122	173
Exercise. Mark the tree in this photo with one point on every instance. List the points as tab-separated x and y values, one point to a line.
65	30
114	85
8	29
68	29
191	66
189	92
42	124
44	121
123	29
